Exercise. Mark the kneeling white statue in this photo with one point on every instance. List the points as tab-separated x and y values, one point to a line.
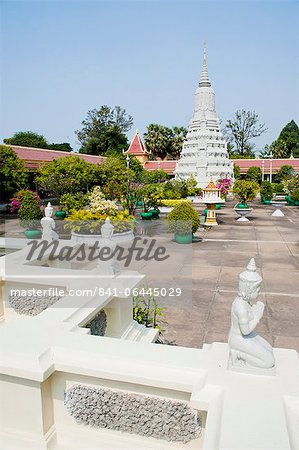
48	225
249	352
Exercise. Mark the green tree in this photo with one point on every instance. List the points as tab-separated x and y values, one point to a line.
254	174
163	141
69	174
158	140
284	172
245	190
13	173
27	139
266	190
115	178
177	139
103	131
29	212
287	142
156	176
244	127
63	147
265	153
236	171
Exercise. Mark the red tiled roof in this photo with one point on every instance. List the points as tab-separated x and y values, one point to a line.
245	164
33	157
137	147
168	166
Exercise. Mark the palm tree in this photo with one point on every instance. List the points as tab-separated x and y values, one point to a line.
158	140
178	136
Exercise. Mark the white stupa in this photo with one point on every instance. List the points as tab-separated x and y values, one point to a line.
204	154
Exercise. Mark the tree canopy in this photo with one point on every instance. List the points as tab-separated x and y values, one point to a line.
27	139
287	142
63	147
284	172
13	173
242	128
103	131
164	142
254	174
31	139
69	174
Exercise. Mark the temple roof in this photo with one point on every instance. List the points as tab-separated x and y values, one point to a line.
137	146
168	166
211	185
33	156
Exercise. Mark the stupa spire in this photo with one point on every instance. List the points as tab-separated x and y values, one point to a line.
204	80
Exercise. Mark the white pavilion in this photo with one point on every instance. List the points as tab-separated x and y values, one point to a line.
204	155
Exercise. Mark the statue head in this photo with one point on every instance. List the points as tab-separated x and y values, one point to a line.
250	282
48	210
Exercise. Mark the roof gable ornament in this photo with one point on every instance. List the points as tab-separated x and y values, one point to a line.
137	146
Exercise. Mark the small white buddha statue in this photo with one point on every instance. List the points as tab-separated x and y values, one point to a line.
249	352
108	267
107	229
48	225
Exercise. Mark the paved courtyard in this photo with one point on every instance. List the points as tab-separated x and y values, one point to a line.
215	267
208	273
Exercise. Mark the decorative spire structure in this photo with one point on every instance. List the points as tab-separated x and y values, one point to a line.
137	148
204	154
204	80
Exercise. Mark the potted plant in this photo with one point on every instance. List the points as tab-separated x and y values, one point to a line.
183	221
17	200
85	224
295	197
151	201
30	215
245	190
266	192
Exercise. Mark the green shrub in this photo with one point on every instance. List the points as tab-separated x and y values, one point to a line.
246	190
29	212
145	309
290	184
266	190
254	174
183	219
88	222
73	202
278	188
174	202
295	195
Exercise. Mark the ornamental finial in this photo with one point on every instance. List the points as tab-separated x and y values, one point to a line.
204	80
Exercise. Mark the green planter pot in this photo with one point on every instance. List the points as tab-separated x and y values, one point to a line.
241	206
60	214
139	203
155	213
183	238
146	215
33	234
218	206
267	202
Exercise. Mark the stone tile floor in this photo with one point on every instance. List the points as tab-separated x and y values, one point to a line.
208	273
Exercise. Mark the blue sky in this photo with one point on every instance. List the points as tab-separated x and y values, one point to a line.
62	58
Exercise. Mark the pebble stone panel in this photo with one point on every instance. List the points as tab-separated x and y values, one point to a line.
31	306
133	413
98	324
